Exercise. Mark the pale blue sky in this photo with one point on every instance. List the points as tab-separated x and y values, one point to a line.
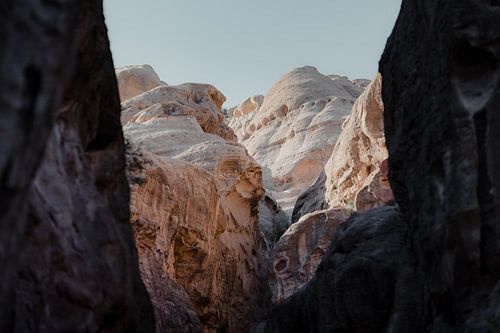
243	47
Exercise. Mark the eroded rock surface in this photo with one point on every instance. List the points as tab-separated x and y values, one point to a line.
365	283
292	131
299	251
135	80
356	173
65	241
202	102
196	200
431	265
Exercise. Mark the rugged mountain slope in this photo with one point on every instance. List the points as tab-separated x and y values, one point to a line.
291	132
196	199
65	240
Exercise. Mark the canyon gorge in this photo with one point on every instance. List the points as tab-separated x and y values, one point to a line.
327	204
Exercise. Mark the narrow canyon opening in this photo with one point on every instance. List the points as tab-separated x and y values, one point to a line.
252	167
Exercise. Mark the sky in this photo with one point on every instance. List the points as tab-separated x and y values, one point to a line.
244	47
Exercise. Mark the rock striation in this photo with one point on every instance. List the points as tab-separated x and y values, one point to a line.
196	202
431	262
292	131
65	240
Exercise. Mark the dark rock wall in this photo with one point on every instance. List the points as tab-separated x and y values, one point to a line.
66	248
442	98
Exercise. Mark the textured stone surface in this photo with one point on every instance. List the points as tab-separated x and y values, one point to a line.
442	95
65	241
200	101
355	177
293	130
134	80
434	266
364	284
197	200
299	251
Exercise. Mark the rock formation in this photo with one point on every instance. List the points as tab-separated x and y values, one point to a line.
443	136
356	173
201	102
291	132
354	179
196	200
364	283
134	80
299	251
431	264
66	249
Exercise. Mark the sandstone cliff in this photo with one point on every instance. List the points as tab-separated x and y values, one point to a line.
67	256
355	176
292	131
354	179
196	199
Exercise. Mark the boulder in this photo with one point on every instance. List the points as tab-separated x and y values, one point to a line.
134	80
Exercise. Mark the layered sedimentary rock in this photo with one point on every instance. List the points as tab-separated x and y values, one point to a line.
431	265
196	199
356	173
134	80
66	248
291	132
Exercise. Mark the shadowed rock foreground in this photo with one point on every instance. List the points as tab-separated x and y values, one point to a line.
67	255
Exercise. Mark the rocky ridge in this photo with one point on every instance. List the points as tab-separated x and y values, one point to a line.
291	132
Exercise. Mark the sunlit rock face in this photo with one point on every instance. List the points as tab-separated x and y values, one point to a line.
201	102
292	131
355	178
134	80
67	257
196	202
356	175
